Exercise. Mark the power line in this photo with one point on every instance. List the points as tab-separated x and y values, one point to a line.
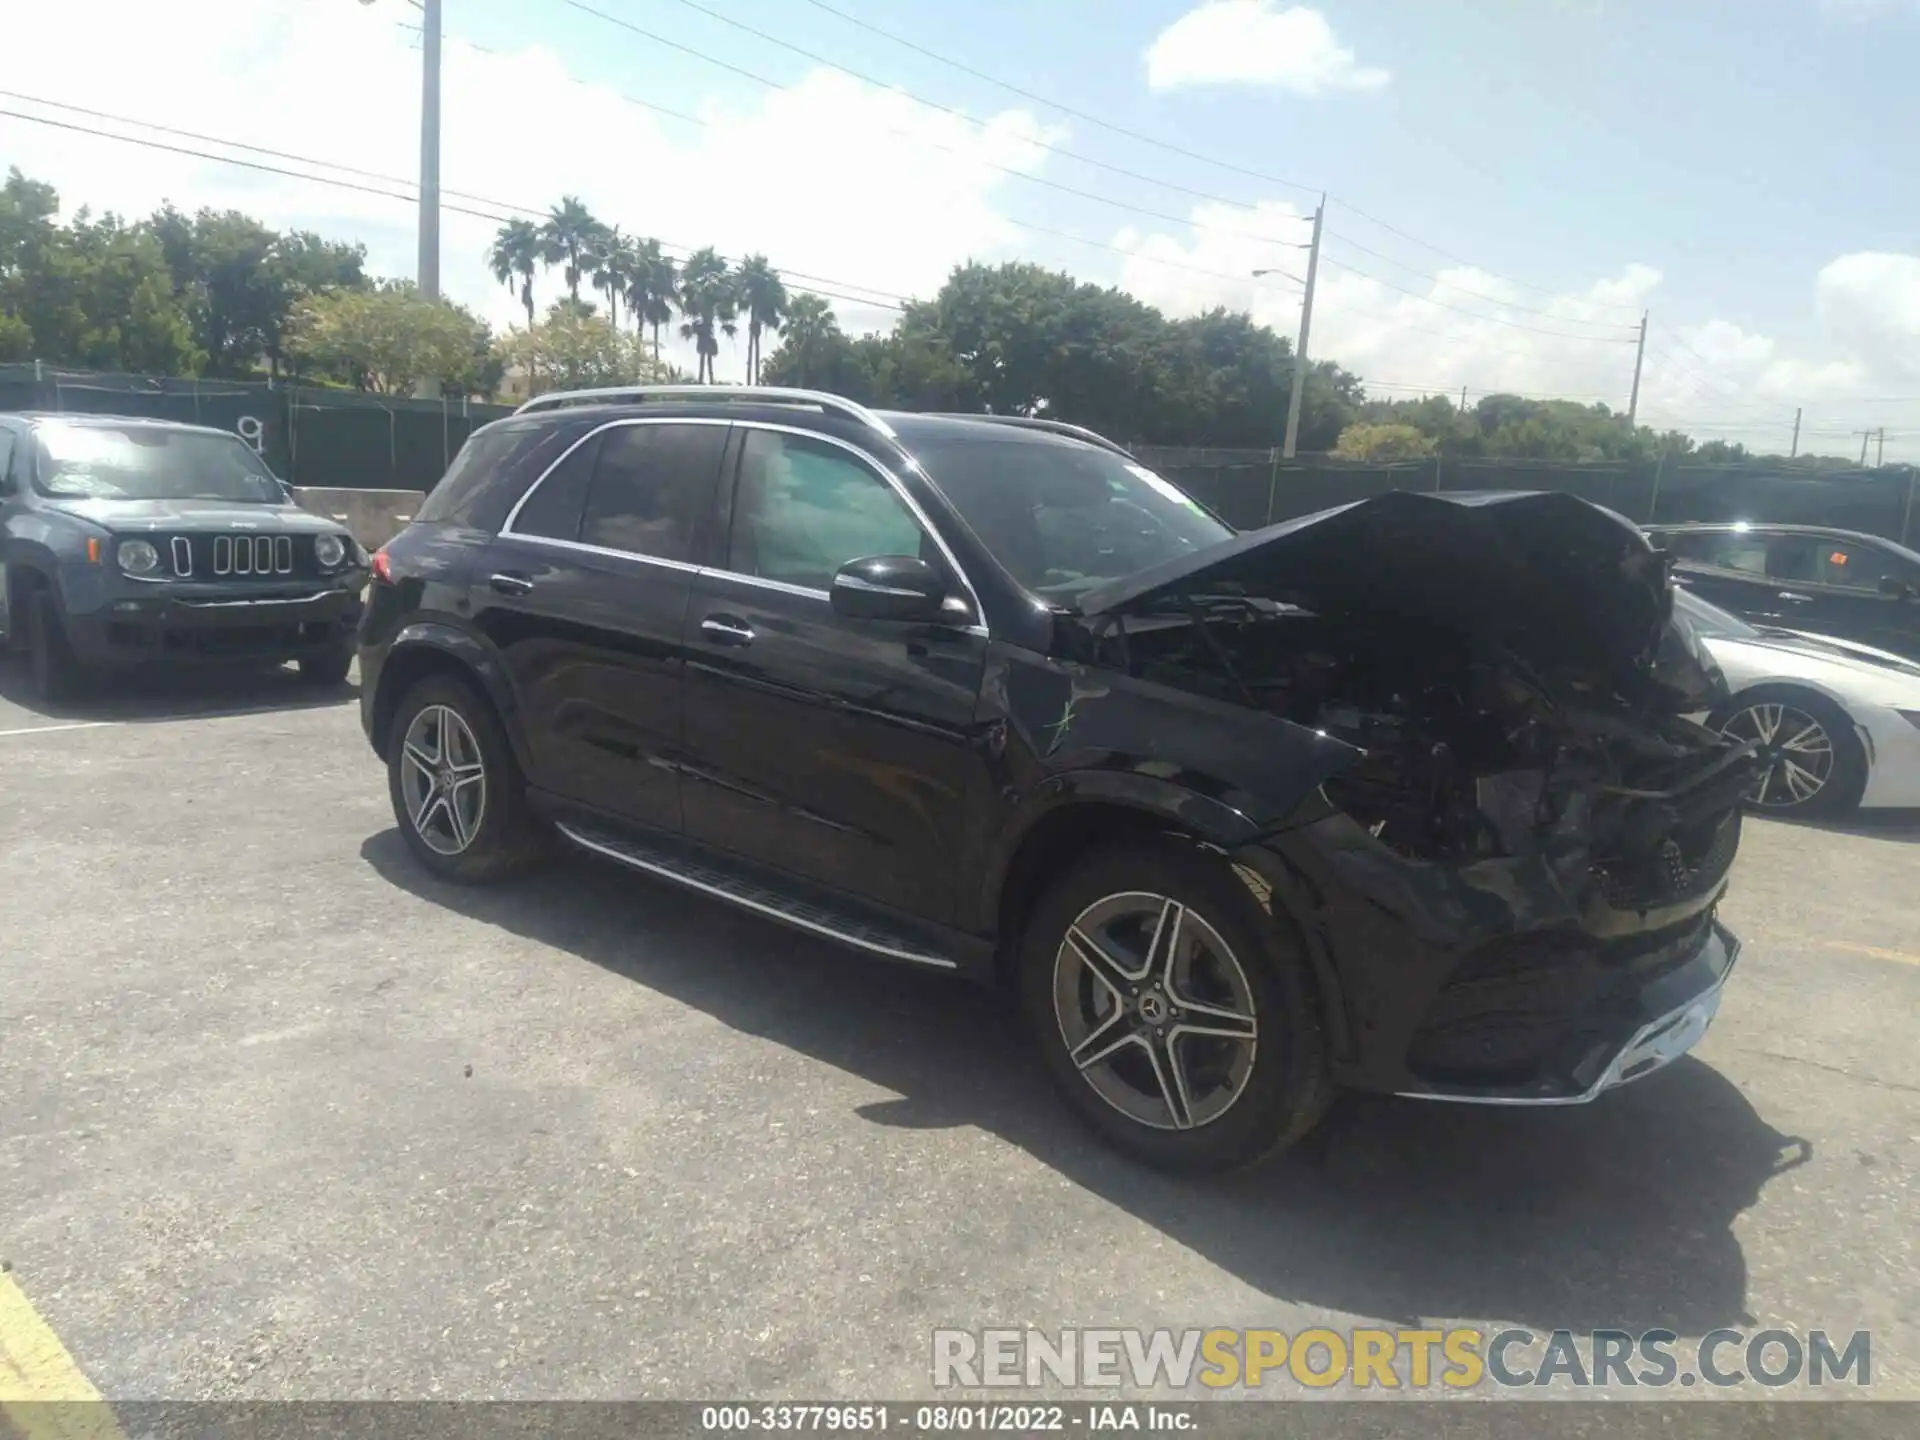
1042	180
1173	149
498	214
1064	109
1476	315
1059	234
1480	295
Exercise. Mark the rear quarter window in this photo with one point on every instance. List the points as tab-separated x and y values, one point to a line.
472	492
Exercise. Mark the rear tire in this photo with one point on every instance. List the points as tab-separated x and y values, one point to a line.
1785	710
456	787
57	672
1222	1024
328	668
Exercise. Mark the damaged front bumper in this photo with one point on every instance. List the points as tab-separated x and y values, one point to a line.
1531	980
1679	1007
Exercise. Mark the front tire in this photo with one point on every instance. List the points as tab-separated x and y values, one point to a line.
456	787
56	671
1172	1012
1815	764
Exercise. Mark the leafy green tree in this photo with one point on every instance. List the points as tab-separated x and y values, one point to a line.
389	340
813	352
572	350
515	255
1366	440
763	300
566	238
710	302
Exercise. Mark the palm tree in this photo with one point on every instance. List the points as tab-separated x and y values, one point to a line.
810	329
609	259
516	251
652	290
764	301
710	304
567	237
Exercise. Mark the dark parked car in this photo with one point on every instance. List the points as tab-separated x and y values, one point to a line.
128	541
1398	797
1803	577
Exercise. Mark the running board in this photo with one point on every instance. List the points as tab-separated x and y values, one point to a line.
736	889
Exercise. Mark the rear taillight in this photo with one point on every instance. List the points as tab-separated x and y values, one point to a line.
382	567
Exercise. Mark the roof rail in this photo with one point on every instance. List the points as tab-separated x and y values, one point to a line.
1056	427
761	394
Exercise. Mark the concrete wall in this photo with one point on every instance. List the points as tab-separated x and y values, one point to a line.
374	516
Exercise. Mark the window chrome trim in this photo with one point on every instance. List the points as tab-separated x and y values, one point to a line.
581	547
885	473
506	526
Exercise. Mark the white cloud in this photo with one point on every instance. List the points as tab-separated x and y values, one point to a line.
1251	42
1716	380
340	83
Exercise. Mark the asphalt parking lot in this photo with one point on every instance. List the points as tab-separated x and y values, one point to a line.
282	1118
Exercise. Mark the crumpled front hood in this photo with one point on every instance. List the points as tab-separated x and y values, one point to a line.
146	516
1555	578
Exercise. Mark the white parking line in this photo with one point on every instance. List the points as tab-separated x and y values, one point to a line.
76	725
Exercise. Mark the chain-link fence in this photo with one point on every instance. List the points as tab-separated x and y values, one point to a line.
347	440
1250	488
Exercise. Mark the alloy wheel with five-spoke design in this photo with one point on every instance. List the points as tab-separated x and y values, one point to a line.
443	779
1796	753
1155	1010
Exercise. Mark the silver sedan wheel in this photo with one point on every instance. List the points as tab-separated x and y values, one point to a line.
1155	1010
443	779
1796	754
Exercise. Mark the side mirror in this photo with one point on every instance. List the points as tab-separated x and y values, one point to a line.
888	587
1894	588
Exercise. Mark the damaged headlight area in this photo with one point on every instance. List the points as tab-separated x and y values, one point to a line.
1467	750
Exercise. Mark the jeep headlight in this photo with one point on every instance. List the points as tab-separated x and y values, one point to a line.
138	557
329	550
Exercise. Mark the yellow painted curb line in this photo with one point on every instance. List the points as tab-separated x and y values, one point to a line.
44	1395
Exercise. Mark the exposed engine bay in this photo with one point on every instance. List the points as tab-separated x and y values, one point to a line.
1469	751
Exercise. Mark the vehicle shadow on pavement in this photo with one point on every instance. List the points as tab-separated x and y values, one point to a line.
1614	1214
171	694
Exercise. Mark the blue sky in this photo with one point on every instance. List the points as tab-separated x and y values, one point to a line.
1744	170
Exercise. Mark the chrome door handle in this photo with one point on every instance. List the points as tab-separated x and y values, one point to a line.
727	631
510	584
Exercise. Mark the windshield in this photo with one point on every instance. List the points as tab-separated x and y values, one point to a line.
1063	516
150	462
1710	622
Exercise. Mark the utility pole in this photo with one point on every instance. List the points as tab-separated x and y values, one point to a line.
429	276
1306	324
1880	454
429	267
1639	357
1865	436
1463	399
1796	436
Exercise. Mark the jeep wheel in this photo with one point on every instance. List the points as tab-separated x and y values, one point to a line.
457	790
329	668
56	671
1172	1011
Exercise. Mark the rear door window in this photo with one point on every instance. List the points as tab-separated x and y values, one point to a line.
651	484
